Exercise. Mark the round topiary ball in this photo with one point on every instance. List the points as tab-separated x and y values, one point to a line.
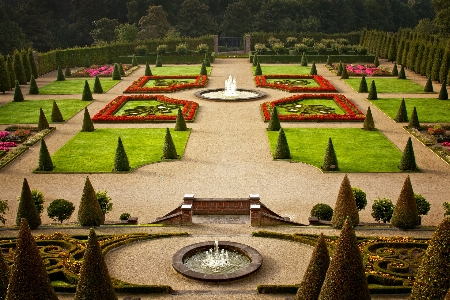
322	211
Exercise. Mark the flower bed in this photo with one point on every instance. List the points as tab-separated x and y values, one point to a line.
108	113
175	83
360	70
324	85
102	71
351	112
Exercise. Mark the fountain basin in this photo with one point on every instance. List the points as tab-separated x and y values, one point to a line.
222	95
179	258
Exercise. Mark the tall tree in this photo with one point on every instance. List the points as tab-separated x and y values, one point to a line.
237	19
442	16
154	24
104	30
194	19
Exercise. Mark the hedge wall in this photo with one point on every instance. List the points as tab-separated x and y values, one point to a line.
315	58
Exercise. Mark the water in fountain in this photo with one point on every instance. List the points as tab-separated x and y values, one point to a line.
230	87
230	92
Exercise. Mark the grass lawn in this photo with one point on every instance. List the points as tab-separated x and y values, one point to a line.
178	70
357	150
27	112
90	152
429	110
387	85
75	86
285	70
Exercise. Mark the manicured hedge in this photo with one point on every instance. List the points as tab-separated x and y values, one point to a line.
263	37
316	58
194	58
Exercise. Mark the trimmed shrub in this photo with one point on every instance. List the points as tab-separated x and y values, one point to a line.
158	61
368	121
206	60
180	124
148	71
282	148
372	92
60	76
42	123
443	94
329	62
4	276
33	66
19	69
12	74
116	73
203	70
121	163
408	161
414	120
67	72
431	281
255	60
88	125
38	199
98	89
322	211
376	62
45	161
5	84
121	71
344	74
405	214
428	86
402	115
394	70
360	198
56	113
423	206
274	122
18	96
124	216
27	209
33	90
315	272
87	94
134	61
60	210
94	282
382	209
304	61
258	70
402	74
105	202
363	85
330	162
169	150
340	69
345	277
345	207
313	69
89	212
29	278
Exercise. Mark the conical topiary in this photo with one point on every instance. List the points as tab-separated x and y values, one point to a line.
313	69
88	125
255	60
340	69
121	70
330	162
282	148
329	60
33	66
94	282
315	272
304	61
4	276
60	76
26	64
368	121
394	70
27	208
376	62
18	96
134	62
12	74
43	123
87	94
402	115
169	150
67	72
121	163
405	214
89	211
98	89
56	113
19	69
180	124
402	74
45	161
345	278
363	85
29	278
203	70
258	70
345	207
148	71
443	94
344	74
158	61
414	120
431	281
372	92
34	90
274	122
408	161
206	60
116	73
428	86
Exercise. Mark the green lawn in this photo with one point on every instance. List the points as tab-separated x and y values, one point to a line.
27	112
429	110
387	85
357	150
178	70
75	86
90	152
284	70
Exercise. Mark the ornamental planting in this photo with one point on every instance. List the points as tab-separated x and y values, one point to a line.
295	83
166	84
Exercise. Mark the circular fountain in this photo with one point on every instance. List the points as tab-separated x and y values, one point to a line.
230	92
217	261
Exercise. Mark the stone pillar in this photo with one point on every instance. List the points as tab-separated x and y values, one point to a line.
255	214
186	209
247	44
216	44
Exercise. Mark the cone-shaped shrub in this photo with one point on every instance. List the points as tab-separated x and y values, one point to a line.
5	84
345	207
67	72
94	282
89	212
414	120
368	121
87	63
116	73
203	70
344	74
60	76
329	60
376	62
431	281
33	90
402	115
87	94
18	96
443	94
121	71
12	74
45	161
158	61
373	91
282	148
27	208
88	125
169	150
345	278
26	64
363	85
19	69
304	61
408	161
148	71
313	69
206	60
405	214
340	69
394	70
274	122
258	70
330	162
255	60
402	74
43	123
98	89
4	276
134	62
29	279
33	66
315	273
428	86
180	124
121	163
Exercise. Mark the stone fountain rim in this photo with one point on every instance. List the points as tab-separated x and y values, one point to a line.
259	95
254	256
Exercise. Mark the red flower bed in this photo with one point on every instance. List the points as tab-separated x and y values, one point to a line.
324	85
106	114
138	86
352	113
